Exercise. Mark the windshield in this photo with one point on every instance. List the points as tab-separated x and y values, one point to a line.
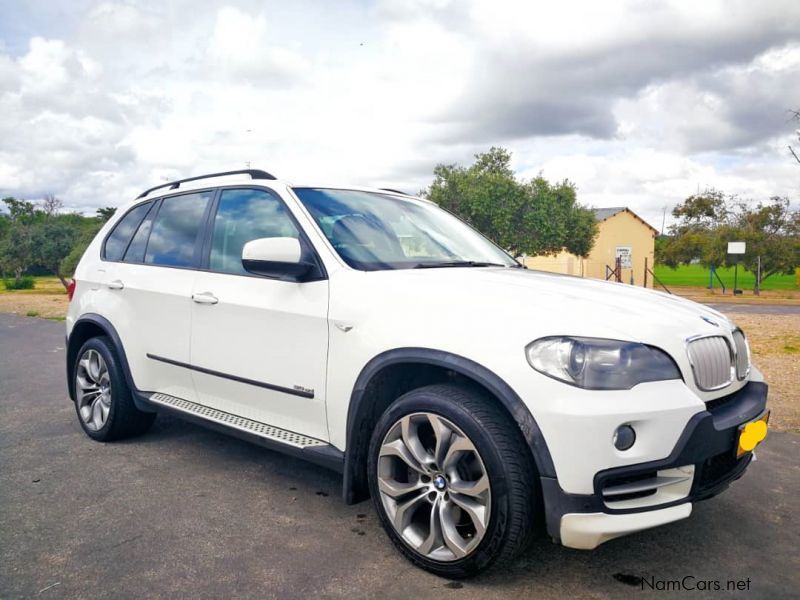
373	231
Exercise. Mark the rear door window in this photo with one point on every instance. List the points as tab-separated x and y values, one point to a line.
176	230
120	237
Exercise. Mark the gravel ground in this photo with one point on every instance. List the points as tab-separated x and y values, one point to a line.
775	344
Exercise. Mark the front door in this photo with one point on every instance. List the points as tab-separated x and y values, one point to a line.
259	345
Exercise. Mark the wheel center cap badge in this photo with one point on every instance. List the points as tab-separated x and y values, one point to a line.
439	482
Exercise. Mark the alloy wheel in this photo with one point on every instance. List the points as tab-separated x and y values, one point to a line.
434	486
93	390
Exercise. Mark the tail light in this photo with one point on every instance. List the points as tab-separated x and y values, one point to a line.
71	289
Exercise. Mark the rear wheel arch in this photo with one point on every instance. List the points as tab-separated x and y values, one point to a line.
392	373
86	327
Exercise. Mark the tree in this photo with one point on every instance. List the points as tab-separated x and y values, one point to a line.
5	225
708	221
51	205
105	213
16	245
54	239
39	234
772	232
20	210
524	217
85	235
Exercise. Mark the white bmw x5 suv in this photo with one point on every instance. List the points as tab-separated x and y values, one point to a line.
380	336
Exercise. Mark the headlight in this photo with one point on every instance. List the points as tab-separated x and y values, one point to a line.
597	364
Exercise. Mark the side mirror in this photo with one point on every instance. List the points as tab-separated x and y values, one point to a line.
278	257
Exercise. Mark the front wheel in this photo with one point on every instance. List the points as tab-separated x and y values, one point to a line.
452	480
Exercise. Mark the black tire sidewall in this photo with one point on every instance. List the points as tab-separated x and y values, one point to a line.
486	553
119	387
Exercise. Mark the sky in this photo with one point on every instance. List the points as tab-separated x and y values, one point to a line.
639	103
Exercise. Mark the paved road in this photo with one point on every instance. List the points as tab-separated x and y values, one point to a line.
762	309
184	512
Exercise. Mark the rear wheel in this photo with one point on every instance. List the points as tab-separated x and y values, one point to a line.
103	400
452	480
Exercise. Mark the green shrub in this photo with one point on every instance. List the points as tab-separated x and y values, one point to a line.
26	282
32	313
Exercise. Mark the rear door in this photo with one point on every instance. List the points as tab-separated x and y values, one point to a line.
259	345
149	293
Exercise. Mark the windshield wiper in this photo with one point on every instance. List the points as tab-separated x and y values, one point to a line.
457	263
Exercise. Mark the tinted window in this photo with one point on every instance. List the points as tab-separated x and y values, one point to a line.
174	235
136	248
119	238
245	215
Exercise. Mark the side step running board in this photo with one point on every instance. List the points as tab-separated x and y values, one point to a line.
260	429
270	436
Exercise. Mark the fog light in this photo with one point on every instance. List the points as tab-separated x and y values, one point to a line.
624	437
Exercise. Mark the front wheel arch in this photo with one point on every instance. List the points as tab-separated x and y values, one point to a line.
361	415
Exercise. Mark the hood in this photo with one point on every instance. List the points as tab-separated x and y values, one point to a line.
546	303
491	314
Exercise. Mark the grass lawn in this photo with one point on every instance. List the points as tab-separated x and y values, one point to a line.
43	285
697	276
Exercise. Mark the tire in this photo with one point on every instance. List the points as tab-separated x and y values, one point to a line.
498	452
108	413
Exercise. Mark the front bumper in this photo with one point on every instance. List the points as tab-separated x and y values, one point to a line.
703	463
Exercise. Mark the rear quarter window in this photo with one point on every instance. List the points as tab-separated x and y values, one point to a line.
138	245
119	238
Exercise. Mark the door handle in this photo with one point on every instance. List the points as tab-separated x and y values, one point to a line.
205	298
115	285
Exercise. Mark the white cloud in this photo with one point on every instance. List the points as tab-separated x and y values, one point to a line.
732	107
240	48
117	22
637	103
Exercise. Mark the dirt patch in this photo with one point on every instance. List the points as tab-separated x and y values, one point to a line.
48	299
783	297
48	306
775	344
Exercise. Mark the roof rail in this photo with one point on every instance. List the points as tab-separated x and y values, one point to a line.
394	191
254	174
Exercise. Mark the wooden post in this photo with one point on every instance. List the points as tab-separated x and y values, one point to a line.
645	271
758	277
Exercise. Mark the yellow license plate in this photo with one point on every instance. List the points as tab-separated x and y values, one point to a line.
752	434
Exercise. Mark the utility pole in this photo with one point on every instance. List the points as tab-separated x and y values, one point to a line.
663	219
